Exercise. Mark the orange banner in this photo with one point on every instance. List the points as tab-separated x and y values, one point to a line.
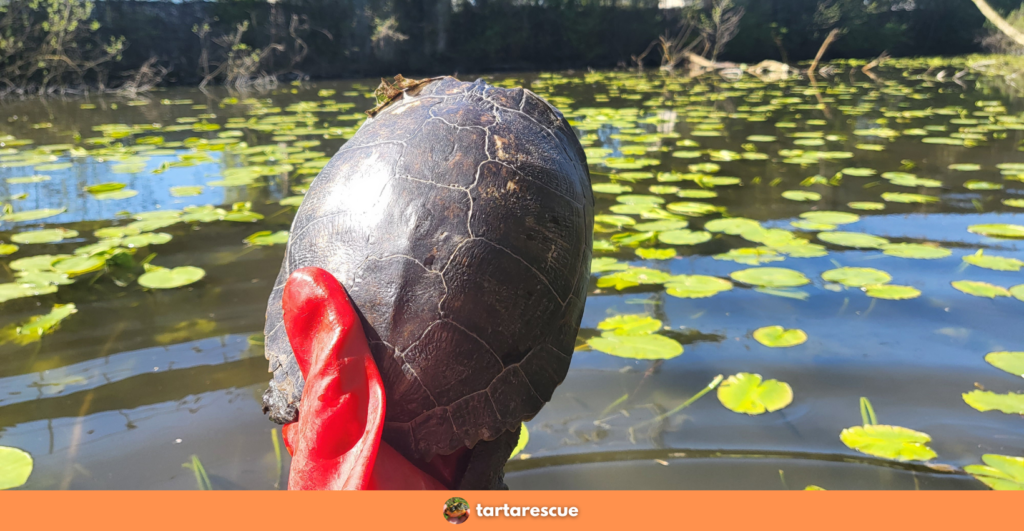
414	511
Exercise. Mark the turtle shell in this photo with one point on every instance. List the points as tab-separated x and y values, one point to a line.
459	218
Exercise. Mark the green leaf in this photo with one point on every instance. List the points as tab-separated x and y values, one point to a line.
696	286
866	205
779	337
162	278
42	324
15	467
1010	403
104	187
606	188
856	276
683	237
630	324
998	263
604	264
980	289
634	276
915	250
662	225
18	290
964	167
8	249
656	254
889	442
801	195
891	292
187	191
266	238
732	226
974	184
33	215
901	197
1002	472
830	217
770	277
43	236
1011	362
80	265
747	393
998	230
856	240
644	347
524	439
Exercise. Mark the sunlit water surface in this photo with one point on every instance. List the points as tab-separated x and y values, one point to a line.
127	389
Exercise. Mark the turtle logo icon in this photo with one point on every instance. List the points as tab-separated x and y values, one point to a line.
456	510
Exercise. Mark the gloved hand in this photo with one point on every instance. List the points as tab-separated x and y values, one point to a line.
336	442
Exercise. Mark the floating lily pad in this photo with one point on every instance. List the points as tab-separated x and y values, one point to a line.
15	467
696	286
33	215
980	289
187	191
982	185
604	264
857	240
900	197
747	393
80	265
801	195
697	194
104	187
18	290
998	230
751	256
43	236
633	276
891	292
1000	472
296	200
1011	362
40	325
889	442
8	249
1010	403
663	225
683	237
162	278
856	276
147	238
964	167
830	217
630	324
770	277
656	254
644	347
117	194
915	250
778	337
998	263
812	225
732	226
866	205
859	172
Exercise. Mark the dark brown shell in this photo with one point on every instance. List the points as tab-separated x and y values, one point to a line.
460	221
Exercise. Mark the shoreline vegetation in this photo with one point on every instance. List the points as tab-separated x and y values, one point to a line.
130	47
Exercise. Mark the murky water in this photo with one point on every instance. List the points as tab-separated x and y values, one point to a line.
137	381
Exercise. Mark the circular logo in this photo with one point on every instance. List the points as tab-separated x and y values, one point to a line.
456	510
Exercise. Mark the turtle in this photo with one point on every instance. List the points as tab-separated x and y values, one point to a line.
459	218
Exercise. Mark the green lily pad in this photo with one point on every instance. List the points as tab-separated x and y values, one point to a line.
751	256
608	188
830	217
856	276
915	250
186	191
859	172
15	467
115	195
80	265
974	184
778	337
801	195
1010	403
812	225
760	138
732	226
267	237
662	225
656	254
697	194
43	236
770	277
296	200
33	215
889	442
891	292
605	264
1011	362
980	289
634	276
162	278
636	324
866	205
104	187
39	325
28	180
683	237
1000	472
998	263
964	167
901	197
747	393
857	240
8	249
1015	203
696	286
643	347
692	208
998	230
146	238
18	290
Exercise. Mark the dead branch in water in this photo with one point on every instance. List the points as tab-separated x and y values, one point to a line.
832	35
876	62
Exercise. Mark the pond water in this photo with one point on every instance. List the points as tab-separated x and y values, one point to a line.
124	391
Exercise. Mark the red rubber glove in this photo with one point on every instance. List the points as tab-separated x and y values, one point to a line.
336	443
